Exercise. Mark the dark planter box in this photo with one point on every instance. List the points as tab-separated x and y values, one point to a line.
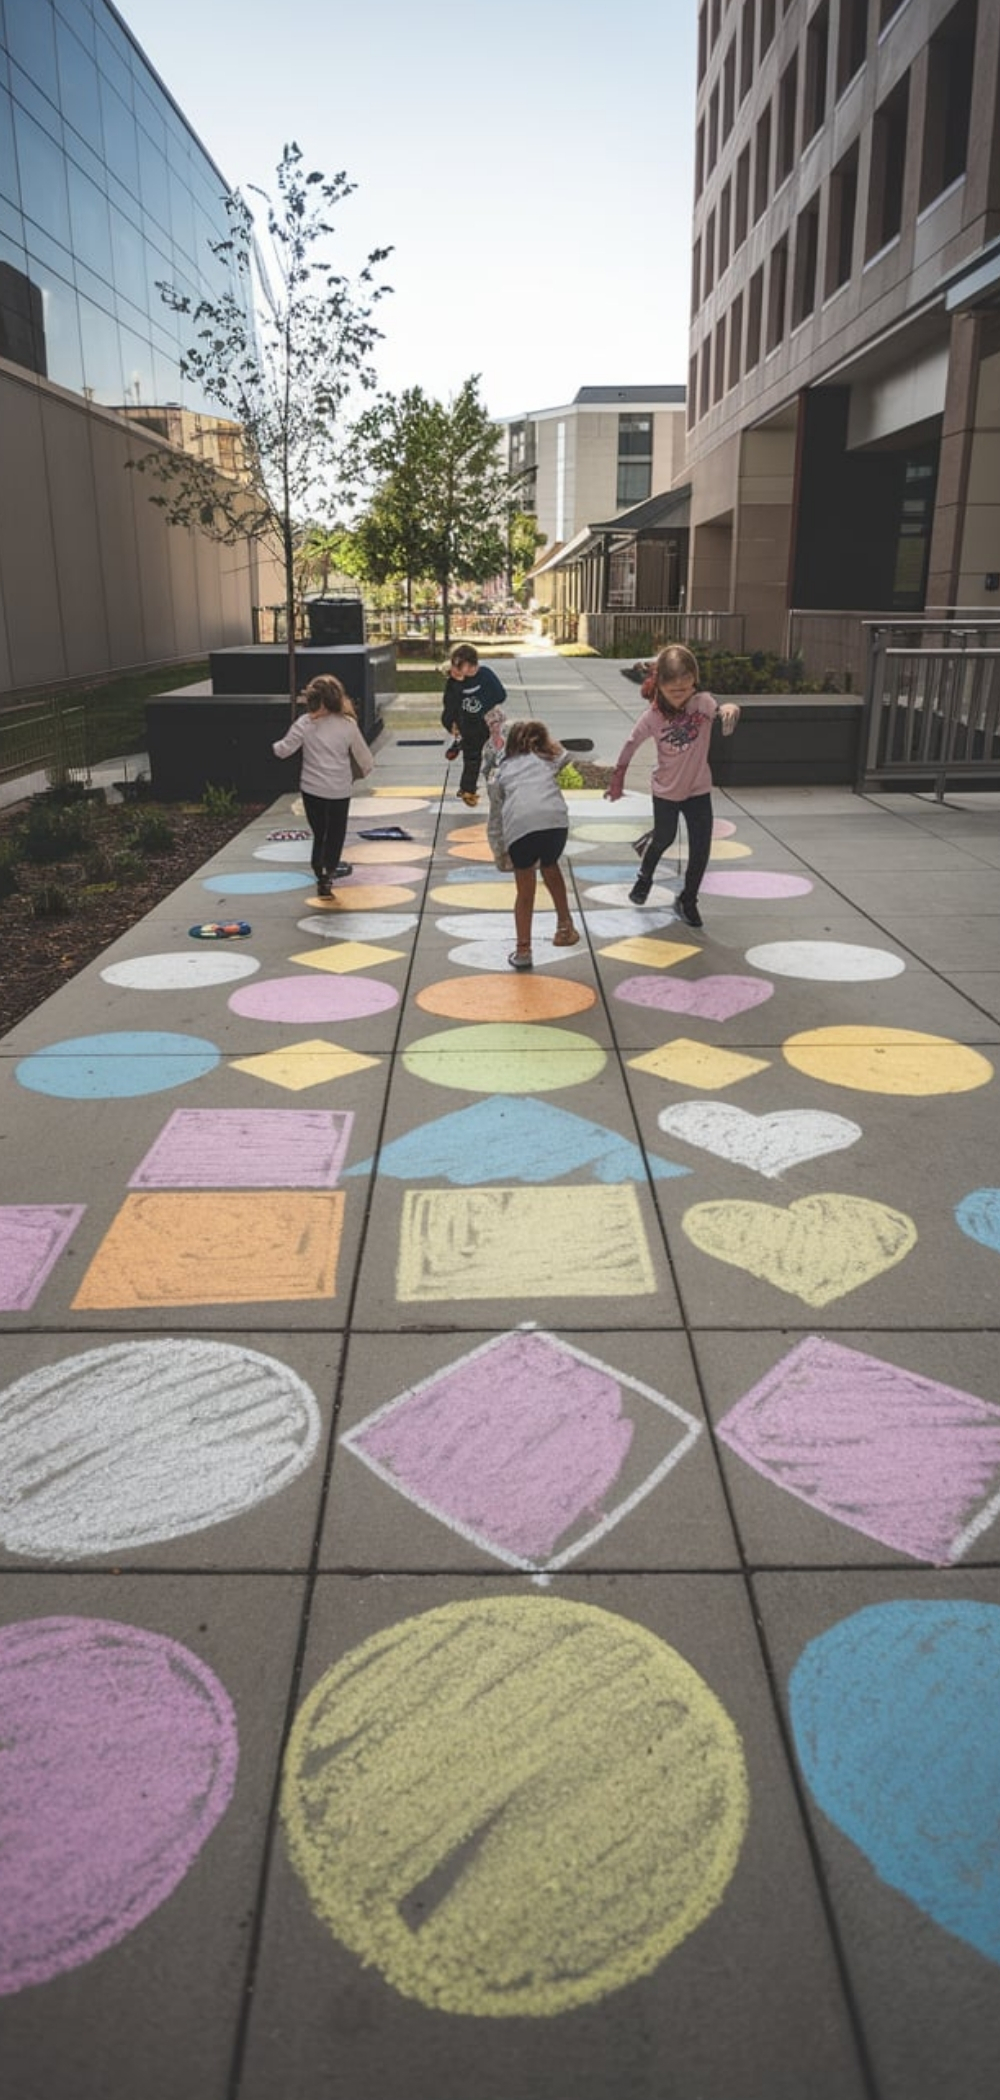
366	672
790	740
200	739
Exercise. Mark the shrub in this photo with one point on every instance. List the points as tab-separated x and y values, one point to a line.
570	777
219	801
8	873
152	834
52	834
51	901
126	866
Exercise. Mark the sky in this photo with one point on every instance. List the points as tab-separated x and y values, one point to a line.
531	168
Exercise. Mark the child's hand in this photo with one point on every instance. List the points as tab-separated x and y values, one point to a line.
729	715
615	788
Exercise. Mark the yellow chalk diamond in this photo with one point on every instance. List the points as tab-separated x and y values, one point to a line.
347	955
697	1064
301	1065
649	953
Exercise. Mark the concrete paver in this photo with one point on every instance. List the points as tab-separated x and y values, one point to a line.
555	1424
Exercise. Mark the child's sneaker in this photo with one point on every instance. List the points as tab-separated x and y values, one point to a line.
687	909
324	887
640	889
471	801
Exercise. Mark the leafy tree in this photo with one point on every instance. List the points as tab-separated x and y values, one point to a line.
280	359
523	542
439	488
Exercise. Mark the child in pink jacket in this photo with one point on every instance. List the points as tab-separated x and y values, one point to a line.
680	720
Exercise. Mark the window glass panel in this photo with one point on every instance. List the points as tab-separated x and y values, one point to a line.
166	378
102	365
119	138
149	117
635	436
182	216
80	19
9	186
110	64
79	92
88	211
31	41
138	370
154	188
128	255
634	481
22	332
63	362
42	170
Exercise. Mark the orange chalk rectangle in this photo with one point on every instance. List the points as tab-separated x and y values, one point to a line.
208	1248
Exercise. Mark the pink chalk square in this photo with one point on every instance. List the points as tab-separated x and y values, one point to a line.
258	1148
32	1237
314	1001
709	998
524	1446
909	1462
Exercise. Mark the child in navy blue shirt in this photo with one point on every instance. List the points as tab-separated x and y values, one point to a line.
472	694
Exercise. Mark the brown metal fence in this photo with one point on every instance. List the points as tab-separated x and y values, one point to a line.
932	705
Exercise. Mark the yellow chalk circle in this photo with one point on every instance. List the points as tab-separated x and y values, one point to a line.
512	1806
887	1061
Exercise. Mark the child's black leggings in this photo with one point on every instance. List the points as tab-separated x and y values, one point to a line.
697	813
328	823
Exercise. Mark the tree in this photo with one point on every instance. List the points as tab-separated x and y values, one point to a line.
439	486
523	542
280	360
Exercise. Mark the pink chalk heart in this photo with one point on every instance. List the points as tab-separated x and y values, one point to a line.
710	998
755	882
119	1752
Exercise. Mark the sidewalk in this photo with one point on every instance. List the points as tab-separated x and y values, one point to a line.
501	1474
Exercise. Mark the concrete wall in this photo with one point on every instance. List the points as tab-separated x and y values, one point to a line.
92	580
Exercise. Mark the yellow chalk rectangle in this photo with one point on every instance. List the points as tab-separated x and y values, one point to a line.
347	955
227	1248
649	953
526	1243
302	1065
690	1063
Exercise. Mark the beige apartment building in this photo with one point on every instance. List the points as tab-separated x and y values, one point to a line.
608	449
843	443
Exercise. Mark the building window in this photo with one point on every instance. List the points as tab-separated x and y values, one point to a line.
692	397
817	60
699	159
762	165
777	289
729	89
766	25
755	309
709	277
635	460
885	182
705	378
748	30
741	209
713	130
719	362
788	90
949	102
852	42
716	19
702	44
735	333
806	250
887	9
724	219
696	277
840	225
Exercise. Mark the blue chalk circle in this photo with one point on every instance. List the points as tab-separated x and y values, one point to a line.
256	885
117	1067
978	1215
896	1717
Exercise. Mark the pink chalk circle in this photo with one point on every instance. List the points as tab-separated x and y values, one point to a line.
120	1753
755	882
710	998
313	999
722	828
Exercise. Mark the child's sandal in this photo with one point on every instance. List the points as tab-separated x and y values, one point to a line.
566	936
521	959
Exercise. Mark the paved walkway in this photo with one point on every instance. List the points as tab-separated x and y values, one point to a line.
555	1422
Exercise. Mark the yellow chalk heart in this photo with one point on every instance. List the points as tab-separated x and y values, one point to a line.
818	1249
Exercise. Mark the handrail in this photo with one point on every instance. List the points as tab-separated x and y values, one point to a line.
931	712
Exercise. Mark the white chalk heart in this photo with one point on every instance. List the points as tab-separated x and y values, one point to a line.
766	1144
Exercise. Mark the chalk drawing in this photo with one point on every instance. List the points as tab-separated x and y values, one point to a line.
826	962
629	920
471	834
301	1065
297	849
189	1248
901	1458
755	882
507	1139
709	998
650	955
606	872
144	1441
818	1250
32	1237
496	925
180	971
512	1057
506	998
689	1063
254	883
294	1000
978	1215
492	954
371	895
347	956
728	849
618	893
722	828
392	802
120	1753
117	1067
896	1718
360	926
475	852
247	1148
602	832
535	1243
517	1446
887	1061
768	1145
381	879
513	1805
484	892
386	852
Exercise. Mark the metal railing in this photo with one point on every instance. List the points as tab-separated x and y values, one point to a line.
932	703
638	633
65	739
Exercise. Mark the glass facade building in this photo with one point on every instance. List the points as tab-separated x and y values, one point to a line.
104	192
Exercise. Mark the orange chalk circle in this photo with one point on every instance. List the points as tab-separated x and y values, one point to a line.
887	1061
383	852
473	852
358	896
498	997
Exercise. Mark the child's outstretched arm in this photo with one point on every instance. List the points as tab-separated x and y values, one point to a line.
729	715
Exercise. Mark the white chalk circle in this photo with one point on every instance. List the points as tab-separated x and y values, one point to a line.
829	962
284	849
493	954
146	1441
621	925
360	925
618	893
181	971
375	808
